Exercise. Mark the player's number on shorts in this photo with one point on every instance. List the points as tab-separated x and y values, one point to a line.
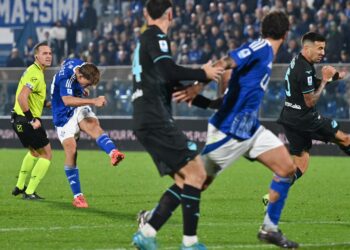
288	83
136	67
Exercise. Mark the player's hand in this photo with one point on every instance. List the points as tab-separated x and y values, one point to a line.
100	101
188	94
35	123
213	73
328	72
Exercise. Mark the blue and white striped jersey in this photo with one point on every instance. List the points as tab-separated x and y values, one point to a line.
64	83
238	114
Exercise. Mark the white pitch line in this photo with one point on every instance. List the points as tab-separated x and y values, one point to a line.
251	246
82	227
231	246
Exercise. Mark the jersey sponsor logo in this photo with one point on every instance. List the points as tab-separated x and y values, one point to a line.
161	35
244	53
309	80
163	46
33	79
308	71
291	105
138	93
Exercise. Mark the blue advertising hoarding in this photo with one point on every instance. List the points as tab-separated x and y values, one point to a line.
15	13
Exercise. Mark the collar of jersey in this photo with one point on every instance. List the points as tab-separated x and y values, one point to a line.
305	59
155	27
38	66
267	41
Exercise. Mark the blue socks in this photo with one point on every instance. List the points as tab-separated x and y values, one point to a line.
281	186
105	143
73	180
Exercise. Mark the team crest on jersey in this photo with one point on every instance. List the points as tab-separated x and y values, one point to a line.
309	80
192	146
163	46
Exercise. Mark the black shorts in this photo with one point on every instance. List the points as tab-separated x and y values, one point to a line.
169	147
29	137
301	139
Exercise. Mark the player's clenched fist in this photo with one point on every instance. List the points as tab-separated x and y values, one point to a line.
328	72
100	101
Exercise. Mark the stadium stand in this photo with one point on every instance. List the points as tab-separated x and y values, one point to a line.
202	30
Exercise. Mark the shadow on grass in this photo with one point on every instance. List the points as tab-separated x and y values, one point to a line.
115	215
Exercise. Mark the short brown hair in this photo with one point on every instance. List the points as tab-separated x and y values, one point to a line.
90	72
38	45
312	37
275	25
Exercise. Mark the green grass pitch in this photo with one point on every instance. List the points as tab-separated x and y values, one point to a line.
317	213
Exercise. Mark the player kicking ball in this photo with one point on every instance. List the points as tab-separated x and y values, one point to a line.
72	114
299	117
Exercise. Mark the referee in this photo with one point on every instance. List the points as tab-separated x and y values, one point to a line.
155	75
30	100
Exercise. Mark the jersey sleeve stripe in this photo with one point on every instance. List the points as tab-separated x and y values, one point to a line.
30	86
257	45
305	92
161	57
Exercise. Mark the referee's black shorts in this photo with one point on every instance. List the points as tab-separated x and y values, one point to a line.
169	147
29	137
300	139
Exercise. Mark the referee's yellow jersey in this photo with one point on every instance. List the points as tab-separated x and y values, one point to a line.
32	78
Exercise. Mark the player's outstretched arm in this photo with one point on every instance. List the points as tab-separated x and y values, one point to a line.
226	63
174	73
189	93
73	101
213	72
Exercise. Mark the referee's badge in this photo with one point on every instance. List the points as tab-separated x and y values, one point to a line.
19	128
309	80
163	46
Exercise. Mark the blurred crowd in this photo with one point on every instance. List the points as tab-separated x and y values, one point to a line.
202	30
